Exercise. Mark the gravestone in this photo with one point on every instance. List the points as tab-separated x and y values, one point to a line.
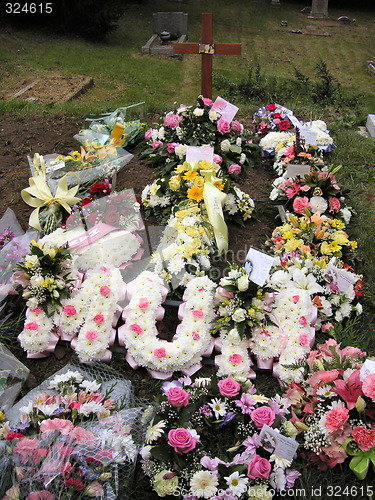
371	67
319	9
168	27
370	125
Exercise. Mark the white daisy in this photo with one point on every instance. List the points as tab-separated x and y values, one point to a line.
204	484
219	407
237	483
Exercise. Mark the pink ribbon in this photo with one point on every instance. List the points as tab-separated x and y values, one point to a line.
269	299
192	369
264	363
121	330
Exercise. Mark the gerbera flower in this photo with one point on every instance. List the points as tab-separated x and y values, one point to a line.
195	193
155	431
203	484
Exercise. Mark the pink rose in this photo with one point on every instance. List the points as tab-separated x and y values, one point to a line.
334	204
229	387
237	126
171	146
156	144
300	203
259	467
217	159
368	386
223	126
172	121
181	440
148	134
262	416
207	102
234	169
135	328
178	397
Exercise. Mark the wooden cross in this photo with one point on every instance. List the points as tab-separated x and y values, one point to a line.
207	48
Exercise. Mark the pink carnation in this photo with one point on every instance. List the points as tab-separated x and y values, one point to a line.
300	203
304	340
196	336
91	335
323	377
105	290
37	310
234	169
368	386
148	134
326	327
69	310
56	424
336	418
25	448
223	126
334	204
235	359
156	144
172	121
365	438
33	325
160	353
99	318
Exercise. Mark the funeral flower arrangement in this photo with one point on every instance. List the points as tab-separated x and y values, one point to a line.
197	126
183	456
314	234
72	440
334	408
45	276
271	117
186	184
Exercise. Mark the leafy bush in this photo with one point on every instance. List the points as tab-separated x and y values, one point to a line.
92	19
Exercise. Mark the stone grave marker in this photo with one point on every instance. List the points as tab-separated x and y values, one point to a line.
319	9
168	27
370	125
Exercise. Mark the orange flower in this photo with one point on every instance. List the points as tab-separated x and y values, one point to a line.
190	176
317	219
195	193
219	185
320	233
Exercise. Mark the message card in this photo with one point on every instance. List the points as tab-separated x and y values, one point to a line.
274	442
258	265
227	110
309	135
198	153
293	171
343	280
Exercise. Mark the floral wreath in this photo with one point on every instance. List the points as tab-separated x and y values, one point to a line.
193	335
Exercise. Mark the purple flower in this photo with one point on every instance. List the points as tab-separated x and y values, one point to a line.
168	385
212	464
251	443
206	411
246	403
228	418
291	476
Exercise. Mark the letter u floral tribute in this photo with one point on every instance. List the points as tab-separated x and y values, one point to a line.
83	296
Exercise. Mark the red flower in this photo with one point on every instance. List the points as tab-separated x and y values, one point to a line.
86	201
284	125
271	107
14	435
74	483
101	187
112	217
358	288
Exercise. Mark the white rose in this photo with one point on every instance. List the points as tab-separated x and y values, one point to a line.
239	315
225	145
212	115
198	112
180	150
243	283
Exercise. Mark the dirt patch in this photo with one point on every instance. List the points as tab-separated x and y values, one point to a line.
48	88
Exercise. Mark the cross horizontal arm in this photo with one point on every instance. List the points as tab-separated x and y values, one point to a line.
186	48
228	49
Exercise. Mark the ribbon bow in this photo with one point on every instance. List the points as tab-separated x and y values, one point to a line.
214	200
39	195
361	460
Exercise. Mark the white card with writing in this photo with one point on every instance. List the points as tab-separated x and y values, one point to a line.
293	171
284	447
368	368
343	279
309	135
258	264
56	166
198	153
227	110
